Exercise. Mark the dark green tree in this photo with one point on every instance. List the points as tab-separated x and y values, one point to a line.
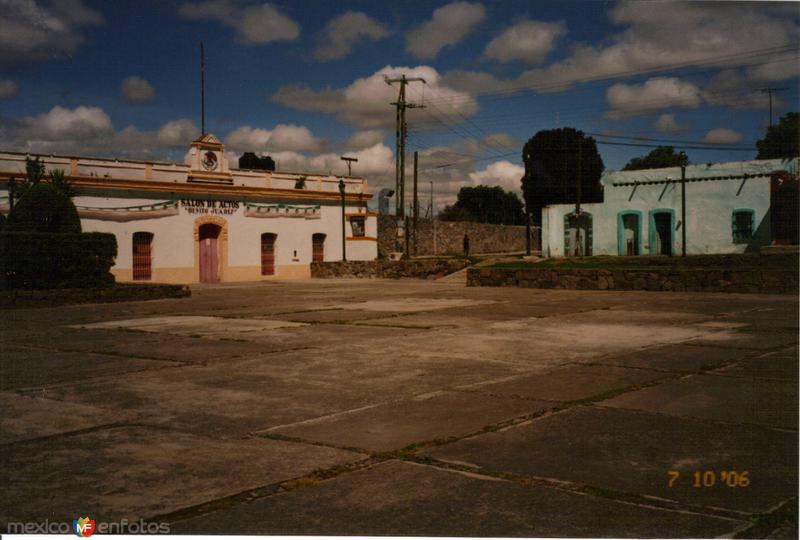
58	179
251	161
43	208
782	141
485	204
34	169
554	160
658	158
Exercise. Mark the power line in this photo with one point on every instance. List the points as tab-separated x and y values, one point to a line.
786	48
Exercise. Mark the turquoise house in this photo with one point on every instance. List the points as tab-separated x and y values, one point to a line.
730	208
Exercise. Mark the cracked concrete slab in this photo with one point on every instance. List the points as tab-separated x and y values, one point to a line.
198	399
34	366
716	397
571	383
410	305
137	472
748	340
634	452
397	424
680	357
404	499
197	325
26	417
776	365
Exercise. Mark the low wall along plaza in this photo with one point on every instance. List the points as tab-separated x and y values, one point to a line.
766	281
436	237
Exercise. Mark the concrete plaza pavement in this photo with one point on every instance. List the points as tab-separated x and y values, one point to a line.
406	407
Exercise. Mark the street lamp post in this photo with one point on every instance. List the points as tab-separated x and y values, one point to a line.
344	238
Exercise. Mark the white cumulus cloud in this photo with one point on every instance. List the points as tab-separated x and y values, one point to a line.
282	137
656	93
500	173
178	133
365	103
254	24
137	90
653	35
448	25
723	135
666	123
526	41
344	32
365	138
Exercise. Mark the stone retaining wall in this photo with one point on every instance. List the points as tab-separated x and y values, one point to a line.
421	269
436	237
769	281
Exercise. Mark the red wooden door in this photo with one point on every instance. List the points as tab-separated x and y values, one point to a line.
268	254
142	255
318	245
209	253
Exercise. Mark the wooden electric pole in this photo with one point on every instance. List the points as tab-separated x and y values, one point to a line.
400	136
416	204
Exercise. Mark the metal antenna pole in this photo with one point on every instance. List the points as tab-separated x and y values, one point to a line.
202	91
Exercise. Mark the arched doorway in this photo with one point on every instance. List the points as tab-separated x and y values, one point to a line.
208	236
318	247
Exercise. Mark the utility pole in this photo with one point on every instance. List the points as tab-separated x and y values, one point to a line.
683	203
770	91
400	135
579	251
416	204
430	205
202	91
349	161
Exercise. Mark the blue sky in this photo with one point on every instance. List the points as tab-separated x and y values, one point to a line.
303	81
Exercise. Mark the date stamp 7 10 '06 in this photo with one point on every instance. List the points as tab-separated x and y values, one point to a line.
710	479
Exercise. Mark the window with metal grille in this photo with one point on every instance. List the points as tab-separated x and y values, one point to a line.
268	254
743	224
142	255
357	224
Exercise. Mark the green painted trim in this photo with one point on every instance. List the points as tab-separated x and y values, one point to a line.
621	231
752	213
652	233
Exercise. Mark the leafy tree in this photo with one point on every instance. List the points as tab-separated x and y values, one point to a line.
485	204
43	208
251	161
2	222
554	159
782	141
59	181
34	169
659	158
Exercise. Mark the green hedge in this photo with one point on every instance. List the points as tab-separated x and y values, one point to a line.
45	209
30	260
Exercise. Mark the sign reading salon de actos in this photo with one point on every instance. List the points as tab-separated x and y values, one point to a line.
210	206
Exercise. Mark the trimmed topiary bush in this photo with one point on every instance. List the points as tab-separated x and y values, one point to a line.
31	260
44	209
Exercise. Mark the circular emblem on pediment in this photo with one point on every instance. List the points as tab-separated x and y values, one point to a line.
209	161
